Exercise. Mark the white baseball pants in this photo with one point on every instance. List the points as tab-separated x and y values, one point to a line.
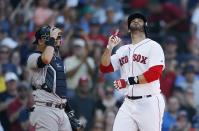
143	114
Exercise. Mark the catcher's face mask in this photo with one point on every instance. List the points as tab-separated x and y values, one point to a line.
42	33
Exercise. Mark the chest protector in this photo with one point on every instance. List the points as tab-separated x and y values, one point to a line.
55	80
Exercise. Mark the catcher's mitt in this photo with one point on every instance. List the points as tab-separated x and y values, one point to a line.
75	123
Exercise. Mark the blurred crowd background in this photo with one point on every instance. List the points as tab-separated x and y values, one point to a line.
86	25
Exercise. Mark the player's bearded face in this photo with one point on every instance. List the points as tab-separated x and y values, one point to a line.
137	25
59	40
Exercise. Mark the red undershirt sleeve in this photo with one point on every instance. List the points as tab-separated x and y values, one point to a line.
153	73
106	69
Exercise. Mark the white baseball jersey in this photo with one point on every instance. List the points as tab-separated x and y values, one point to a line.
143	114
135	59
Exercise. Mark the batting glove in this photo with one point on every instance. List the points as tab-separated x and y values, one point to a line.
119	84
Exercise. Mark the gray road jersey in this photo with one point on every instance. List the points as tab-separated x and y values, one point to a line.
38	78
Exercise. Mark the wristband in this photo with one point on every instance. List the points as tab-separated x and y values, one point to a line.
133	80
50	42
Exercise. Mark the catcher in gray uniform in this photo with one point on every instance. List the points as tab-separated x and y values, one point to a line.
51	110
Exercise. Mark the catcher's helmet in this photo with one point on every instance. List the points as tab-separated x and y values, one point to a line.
43	32
138	15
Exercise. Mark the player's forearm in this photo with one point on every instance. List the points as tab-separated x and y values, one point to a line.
142	79
122	83
47	54
152	74
106	57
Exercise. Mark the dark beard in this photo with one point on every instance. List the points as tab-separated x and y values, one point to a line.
57	51
136	27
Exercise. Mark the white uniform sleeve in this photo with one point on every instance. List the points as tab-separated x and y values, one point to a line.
156	56
32	60
115	62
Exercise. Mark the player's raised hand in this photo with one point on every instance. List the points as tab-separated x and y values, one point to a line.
119	84
113	40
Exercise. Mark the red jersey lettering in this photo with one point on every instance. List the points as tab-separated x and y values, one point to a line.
139	58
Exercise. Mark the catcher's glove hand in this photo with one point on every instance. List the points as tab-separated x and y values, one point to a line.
75	123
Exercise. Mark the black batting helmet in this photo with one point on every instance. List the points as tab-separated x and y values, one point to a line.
138	15
43	32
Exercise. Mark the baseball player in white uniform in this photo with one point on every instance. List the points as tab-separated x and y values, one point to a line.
141	64
51	111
